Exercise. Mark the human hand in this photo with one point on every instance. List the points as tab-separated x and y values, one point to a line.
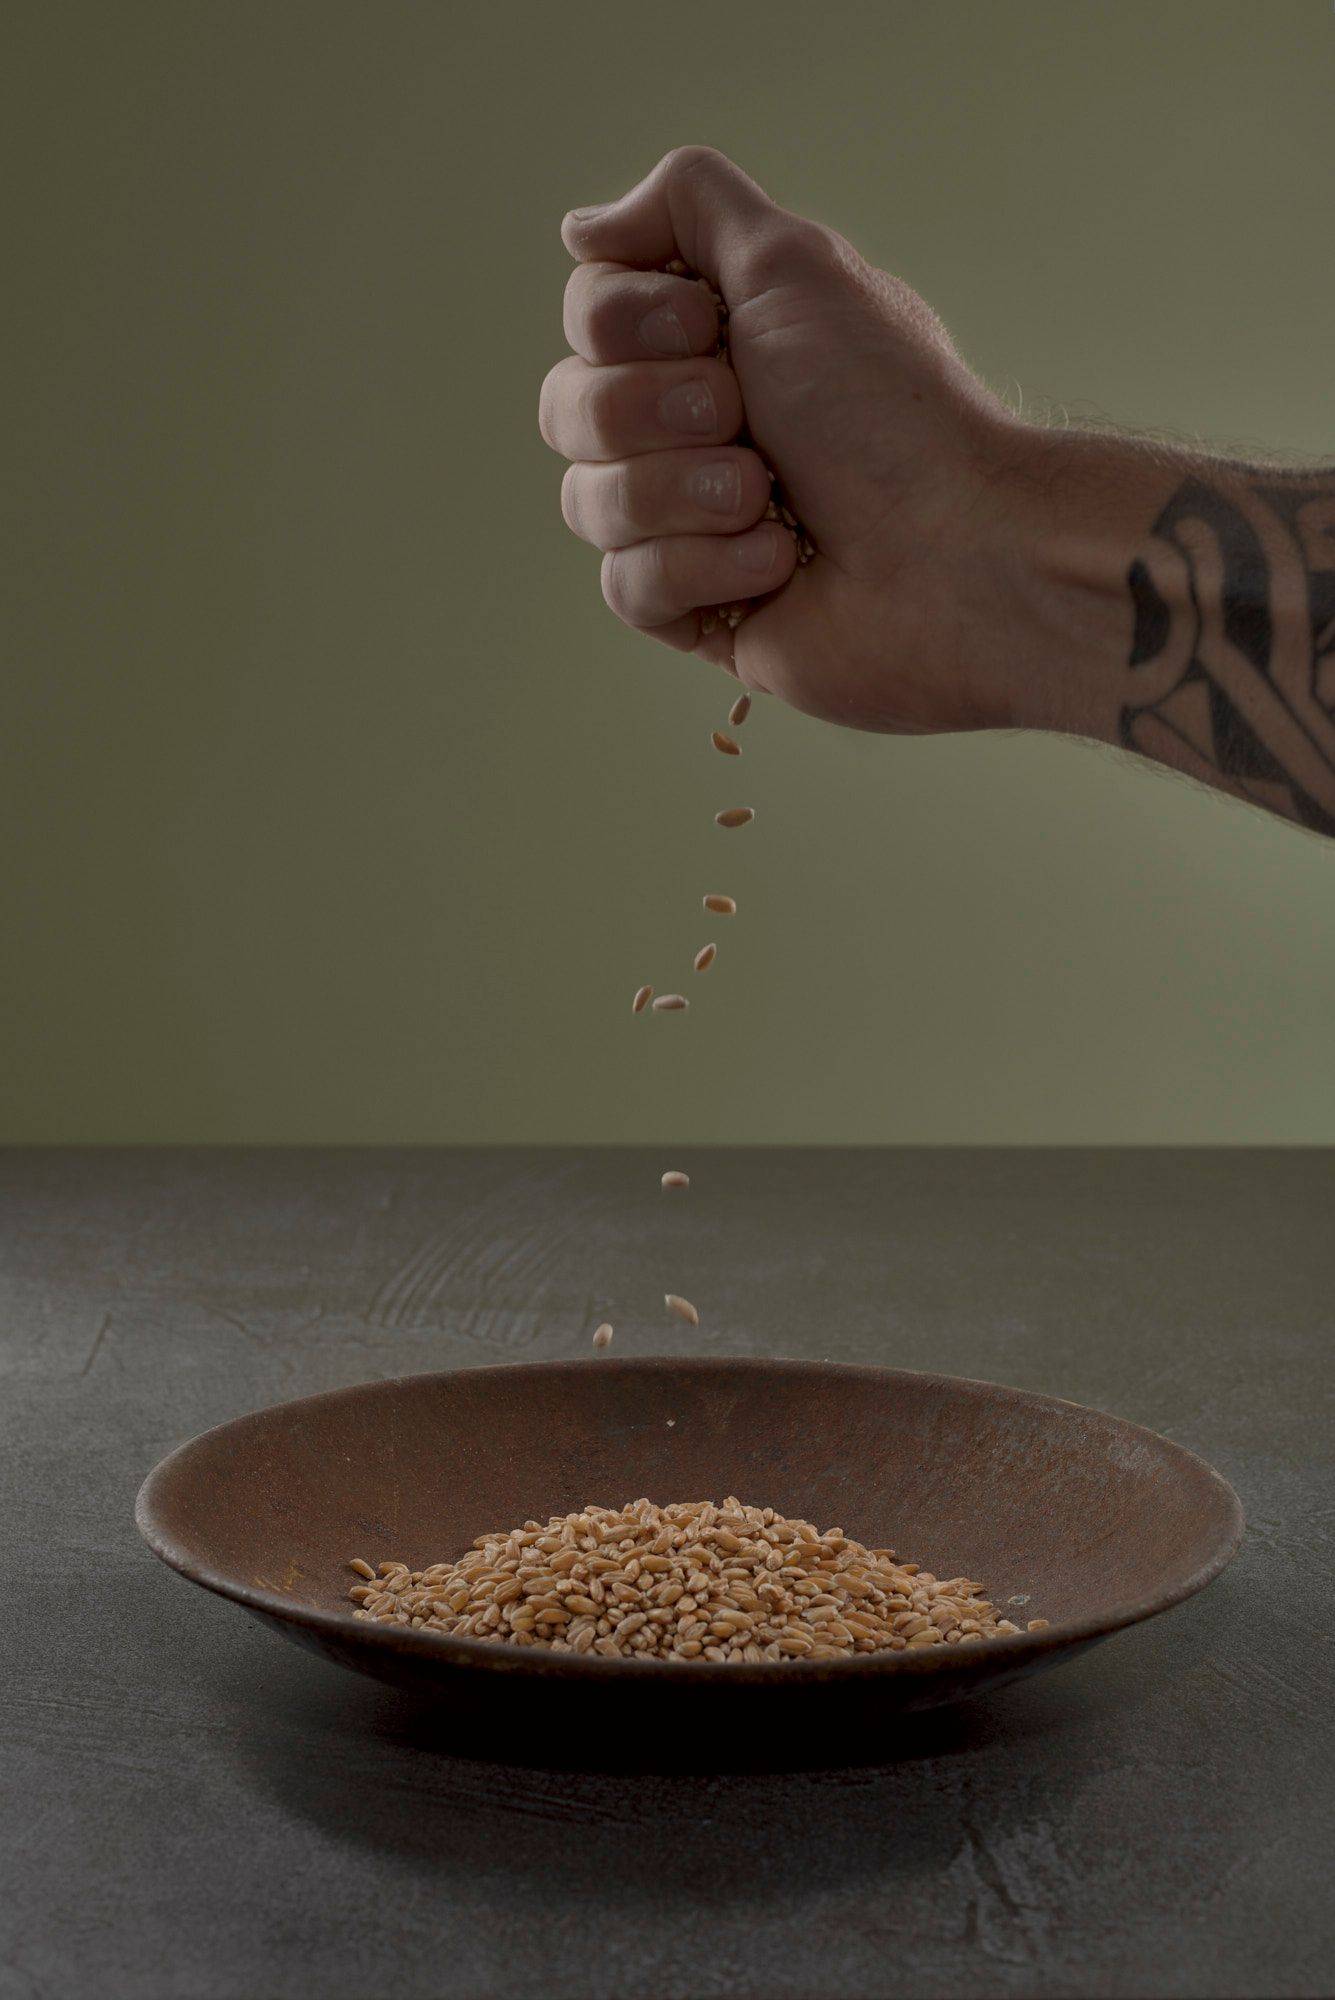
972	570
891	452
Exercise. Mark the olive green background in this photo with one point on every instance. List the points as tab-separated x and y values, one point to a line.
336	805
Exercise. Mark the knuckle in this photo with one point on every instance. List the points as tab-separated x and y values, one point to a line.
614	585
588	313
633	582
545	394
820	241
684	162
767	260
755	480
728	409
558	402
669	562
574	305
622	498
570	511
601	322
794	246
595	425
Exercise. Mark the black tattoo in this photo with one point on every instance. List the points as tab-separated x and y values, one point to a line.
1232	670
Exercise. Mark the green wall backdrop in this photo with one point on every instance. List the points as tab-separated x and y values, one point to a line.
335	804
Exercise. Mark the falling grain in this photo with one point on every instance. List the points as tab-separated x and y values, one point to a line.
734	816
603	1336
676	1180
682	1308
722	906
705	957
670	1003
739	711
643	996
725	743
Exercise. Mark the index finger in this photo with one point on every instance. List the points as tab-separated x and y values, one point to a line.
613	312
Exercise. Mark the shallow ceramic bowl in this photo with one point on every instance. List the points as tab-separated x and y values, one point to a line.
1061	1512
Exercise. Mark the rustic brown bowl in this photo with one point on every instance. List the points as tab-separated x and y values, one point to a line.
1060	1511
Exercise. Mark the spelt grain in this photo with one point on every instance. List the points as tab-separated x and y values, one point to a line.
705	957
670	1003
722	906
725	744
690	1581
734	816
739	711
643	995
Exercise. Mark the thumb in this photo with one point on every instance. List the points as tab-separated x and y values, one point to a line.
696	205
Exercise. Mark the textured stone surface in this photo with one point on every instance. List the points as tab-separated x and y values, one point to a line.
193	1808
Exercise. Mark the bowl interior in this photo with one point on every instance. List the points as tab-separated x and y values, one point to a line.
1060	1511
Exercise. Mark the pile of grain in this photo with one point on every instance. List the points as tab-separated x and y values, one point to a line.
693	1581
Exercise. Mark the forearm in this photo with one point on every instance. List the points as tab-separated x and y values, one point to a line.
1184	608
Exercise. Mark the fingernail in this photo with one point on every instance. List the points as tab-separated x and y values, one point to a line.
718	487
689	406
756	550
583	214
663	333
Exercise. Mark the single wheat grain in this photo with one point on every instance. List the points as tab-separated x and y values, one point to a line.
602	1338
722	906
682	1308
734	816
676	1180
722	741
739	711
643	995
705	957
670	1003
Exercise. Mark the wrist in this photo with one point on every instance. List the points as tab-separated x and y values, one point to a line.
1073	508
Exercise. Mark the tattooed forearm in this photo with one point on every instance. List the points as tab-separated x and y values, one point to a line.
1232	671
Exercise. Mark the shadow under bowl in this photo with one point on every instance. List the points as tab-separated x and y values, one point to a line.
1061	1512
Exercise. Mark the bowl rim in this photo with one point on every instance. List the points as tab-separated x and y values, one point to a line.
338	1628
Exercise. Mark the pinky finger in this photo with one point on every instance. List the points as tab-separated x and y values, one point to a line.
654	585
687	635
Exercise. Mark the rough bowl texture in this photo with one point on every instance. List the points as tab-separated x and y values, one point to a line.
1062	1512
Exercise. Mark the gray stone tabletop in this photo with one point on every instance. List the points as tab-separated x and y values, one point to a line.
195	1809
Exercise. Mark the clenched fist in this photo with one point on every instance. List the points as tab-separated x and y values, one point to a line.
889	449
972	570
